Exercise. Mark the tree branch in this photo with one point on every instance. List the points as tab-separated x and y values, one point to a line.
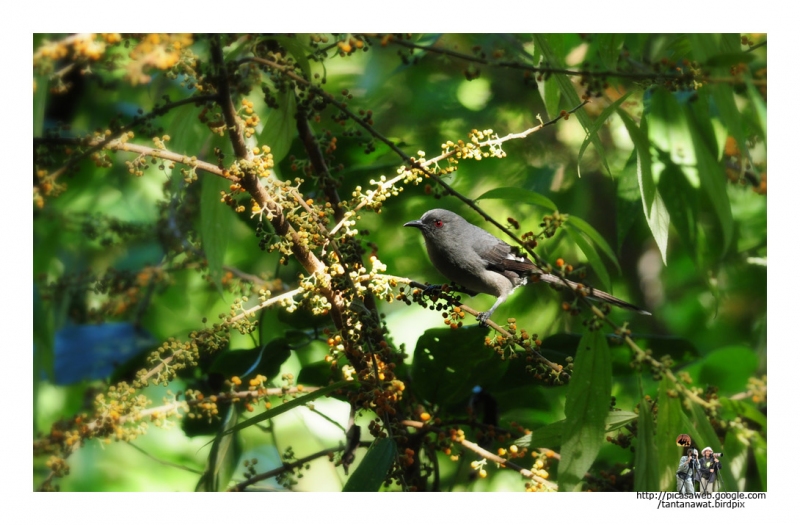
225	101
269	302
469	445
286	467
97	145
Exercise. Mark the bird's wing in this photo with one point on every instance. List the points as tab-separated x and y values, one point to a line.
506	260
501	258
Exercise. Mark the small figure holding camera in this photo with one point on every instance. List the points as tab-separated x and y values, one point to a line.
708	469
687	471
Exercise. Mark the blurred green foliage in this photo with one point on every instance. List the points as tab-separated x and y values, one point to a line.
656	190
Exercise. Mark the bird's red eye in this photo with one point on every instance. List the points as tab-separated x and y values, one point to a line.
438	223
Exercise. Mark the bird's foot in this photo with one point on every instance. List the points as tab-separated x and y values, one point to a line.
483	318
432	289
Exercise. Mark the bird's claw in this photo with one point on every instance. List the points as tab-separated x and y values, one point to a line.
432	289
483	318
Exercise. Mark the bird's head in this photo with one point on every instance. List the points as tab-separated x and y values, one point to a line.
435	223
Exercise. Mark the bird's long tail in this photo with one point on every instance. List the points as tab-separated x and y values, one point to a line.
591	293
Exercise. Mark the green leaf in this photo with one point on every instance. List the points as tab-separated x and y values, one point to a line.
646	455
266	361
552	98
730	115
731	43
746	410
215	225
536	55
667	128
289	405
655	211
549	436
729	368
319	373
708	437
760	108
515	390
586	410
704	45
595	236
189	133
43	349
423	40
40	103
736	449
234	50
298	50
717	49
702	119
642	146
635	44
629	202
657	215
727	60
569	93
670	425
279	128
608	46
681	200
688	427
222	459
598	123
43	336
713	181
592	256
619	418
448	364
374	468
519	195
760	455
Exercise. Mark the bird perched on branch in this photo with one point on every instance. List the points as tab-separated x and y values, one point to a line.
481	263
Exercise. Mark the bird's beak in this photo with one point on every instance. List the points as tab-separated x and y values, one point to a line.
414	224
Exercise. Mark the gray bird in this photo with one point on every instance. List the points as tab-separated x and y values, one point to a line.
481	263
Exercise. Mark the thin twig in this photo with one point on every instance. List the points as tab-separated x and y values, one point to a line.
527	67
226	102
100	144
264	304
644	356
546	70
286	467
328	419
245	276
482	452
163	462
